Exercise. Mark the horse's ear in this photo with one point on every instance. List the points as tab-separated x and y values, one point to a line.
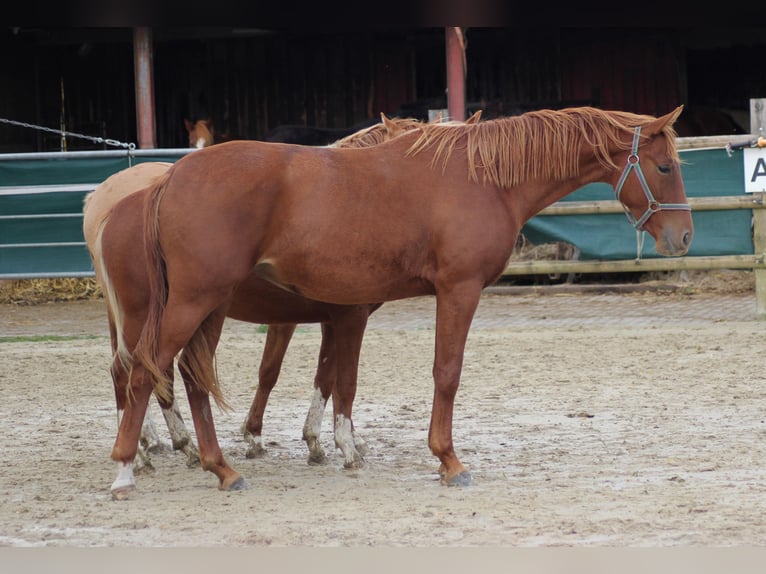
474	119
659	124
188	124
209	123
390	125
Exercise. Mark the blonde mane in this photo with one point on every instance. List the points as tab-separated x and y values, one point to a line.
538	145
377	133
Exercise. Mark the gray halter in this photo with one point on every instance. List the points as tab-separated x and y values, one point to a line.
654	205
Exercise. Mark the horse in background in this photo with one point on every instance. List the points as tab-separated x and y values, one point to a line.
201	133
119	269
311	135
434	211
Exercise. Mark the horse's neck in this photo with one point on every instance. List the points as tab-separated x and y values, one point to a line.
541	194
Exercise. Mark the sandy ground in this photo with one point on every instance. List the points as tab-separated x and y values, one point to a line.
586	421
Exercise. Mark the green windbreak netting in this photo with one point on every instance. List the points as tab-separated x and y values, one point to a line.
706	173
41	230
41	200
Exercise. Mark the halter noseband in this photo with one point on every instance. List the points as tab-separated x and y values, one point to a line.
654	205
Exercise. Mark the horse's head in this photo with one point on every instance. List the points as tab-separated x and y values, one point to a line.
650	186
200	133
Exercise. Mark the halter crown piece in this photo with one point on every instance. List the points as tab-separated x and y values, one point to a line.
654	205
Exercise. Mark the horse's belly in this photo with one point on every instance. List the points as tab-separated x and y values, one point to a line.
342	282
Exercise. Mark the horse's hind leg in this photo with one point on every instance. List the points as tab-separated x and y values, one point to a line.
324	382
211	456
132	402
277	339
176	328
349	332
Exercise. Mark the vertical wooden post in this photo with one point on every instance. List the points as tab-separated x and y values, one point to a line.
455	74
759	249
758	117
144	80
758	129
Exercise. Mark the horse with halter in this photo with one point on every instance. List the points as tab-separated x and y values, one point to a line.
119	270
434	211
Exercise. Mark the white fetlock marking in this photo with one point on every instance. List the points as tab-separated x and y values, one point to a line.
142	458
313	425
178	431
255	443
344	440
360	444
149	432
125	478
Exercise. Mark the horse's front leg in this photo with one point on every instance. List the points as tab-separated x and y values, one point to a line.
148	442
455	307
179	435
277	339
349	332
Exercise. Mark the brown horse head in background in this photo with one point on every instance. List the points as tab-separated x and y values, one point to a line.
201	133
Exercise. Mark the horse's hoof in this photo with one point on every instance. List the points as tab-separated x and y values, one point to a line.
462	479
123	493
144	469
239	484
363	449
355	464
317	457
193	461
255	452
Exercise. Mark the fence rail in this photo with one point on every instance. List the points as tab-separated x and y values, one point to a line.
41	216
756	262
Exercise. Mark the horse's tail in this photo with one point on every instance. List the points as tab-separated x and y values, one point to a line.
145	353
114	311
198	363
197	360
94	222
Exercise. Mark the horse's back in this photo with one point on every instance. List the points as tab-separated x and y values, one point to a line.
272	207
100	201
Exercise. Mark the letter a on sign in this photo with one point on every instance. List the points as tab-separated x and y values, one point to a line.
755	170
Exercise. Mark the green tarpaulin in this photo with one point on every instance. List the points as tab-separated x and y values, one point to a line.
41	231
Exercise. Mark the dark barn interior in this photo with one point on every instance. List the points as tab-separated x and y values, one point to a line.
249	81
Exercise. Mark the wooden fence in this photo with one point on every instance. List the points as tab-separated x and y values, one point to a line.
757	261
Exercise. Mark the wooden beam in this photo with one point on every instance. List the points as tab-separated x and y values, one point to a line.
546	267
144	81
456	71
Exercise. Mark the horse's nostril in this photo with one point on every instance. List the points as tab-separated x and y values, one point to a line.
687	239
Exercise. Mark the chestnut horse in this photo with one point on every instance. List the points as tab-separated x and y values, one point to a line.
201	133
255	301
435	211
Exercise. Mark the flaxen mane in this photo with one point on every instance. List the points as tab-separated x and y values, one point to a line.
377	133
539	145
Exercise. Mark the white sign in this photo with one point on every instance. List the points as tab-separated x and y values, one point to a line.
755	170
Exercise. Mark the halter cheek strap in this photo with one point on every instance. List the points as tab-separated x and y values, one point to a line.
654	205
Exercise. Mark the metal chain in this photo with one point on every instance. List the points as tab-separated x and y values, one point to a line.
111	142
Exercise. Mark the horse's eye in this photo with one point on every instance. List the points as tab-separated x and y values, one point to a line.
665	169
